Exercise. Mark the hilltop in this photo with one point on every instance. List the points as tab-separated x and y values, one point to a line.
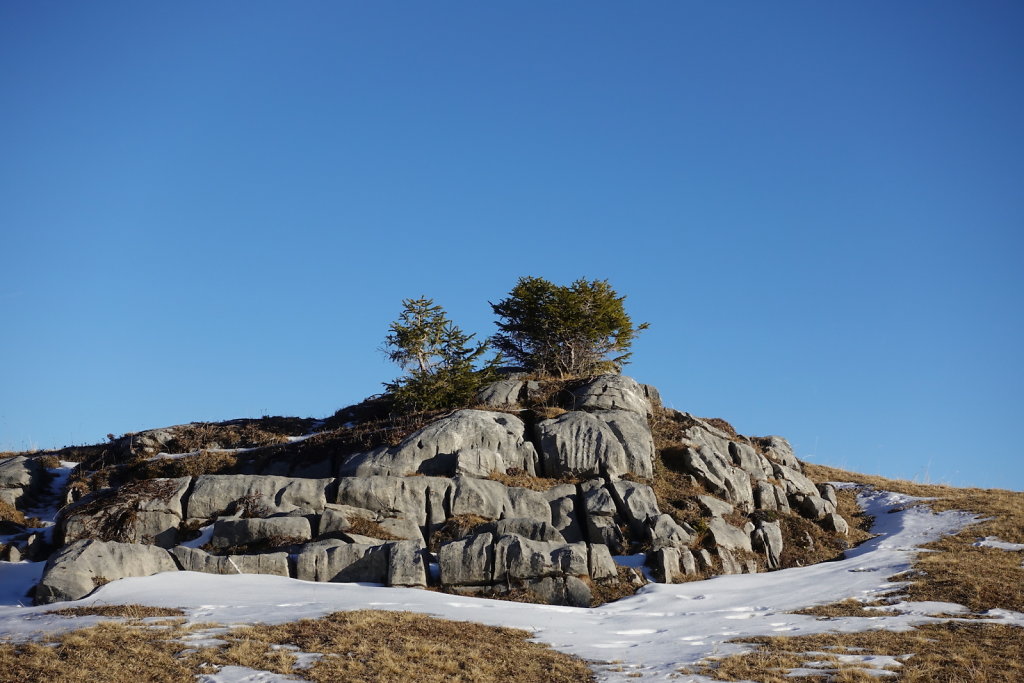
574	492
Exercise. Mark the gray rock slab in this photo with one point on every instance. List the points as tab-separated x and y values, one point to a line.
767	540
420	499
519	559
79	568
213	494
612	392
407	564
501	394
725	535
344	563
468	561
637	503
231	533
474	438
562	501
196	560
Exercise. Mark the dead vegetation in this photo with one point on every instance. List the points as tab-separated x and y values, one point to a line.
110	514
9	513
455	528
942	653
957	570
132	611
368	527
517	477
356	646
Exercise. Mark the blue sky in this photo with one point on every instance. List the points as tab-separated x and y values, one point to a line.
214	210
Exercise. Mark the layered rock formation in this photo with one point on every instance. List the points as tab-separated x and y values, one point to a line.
443	507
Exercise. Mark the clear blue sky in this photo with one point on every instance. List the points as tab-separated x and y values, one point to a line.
213	210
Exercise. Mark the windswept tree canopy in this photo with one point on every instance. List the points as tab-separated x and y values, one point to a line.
438	357
582	329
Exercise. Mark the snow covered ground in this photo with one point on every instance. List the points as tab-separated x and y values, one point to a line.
657	631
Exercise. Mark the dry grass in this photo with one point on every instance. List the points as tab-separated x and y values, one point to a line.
112	512
845	608
519	478
368	527
957	571
942	653
455	528
9	513
123	611
357	646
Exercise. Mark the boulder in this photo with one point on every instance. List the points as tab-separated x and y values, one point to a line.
612	392
12	496
725	535
611	443
601	521
420	499
525	527
713	507
794	481
769	496
687	563
472	439
344	563
637	503
407	564
21	472
213	494
750	461
147	512
813	507
562	500
468	561
833	522
719	476
828	492
520	559
600	564
665	532
730	565
276	531
767	540
500	394
342	519
665	565
778	450
195	560
493	500
567	590
79	568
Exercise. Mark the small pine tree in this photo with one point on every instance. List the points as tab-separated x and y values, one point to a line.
577	330
438	357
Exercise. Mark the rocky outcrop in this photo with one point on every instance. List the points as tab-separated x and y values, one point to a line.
83	566
473	442
589	496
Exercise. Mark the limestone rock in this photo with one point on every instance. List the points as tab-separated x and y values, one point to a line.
767	539
666	532
470	439
567	590
79	568
520	559
612	392
407	564
600	564
725	535
500	394
610	443
637	503
665	564
525	527
493	500
213	494
833	522
714	507
20	472
343	563
195	560
232	533
719	476
468	562
420	499
562	500
601	526
778	450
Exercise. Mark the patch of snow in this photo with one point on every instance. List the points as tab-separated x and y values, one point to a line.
993	542
657	631
242	674
635	562
16	580
296	439
205	536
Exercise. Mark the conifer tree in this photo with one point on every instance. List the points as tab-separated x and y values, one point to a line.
439	359
579	330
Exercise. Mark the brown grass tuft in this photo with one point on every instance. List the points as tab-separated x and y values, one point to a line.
455	528
518	478
9	513
124	611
